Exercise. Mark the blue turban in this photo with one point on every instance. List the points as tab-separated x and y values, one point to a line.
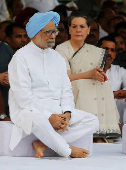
39	21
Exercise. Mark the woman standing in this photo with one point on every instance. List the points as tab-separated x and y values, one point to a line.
91	90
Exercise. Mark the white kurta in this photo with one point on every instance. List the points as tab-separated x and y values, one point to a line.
117	79
40	87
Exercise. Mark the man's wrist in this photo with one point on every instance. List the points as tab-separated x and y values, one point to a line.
67	112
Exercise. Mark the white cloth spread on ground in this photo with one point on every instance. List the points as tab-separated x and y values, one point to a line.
117	79
40	87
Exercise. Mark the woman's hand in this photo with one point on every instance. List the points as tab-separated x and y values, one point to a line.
98	74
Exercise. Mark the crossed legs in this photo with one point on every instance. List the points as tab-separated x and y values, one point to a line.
75	152
45	132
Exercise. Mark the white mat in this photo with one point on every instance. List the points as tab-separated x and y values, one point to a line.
105	157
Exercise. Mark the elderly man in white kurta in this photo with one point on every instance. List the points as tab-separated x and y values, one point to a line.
40	98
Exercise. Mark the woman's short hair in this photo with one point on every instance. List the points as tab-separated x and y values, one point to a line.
83	14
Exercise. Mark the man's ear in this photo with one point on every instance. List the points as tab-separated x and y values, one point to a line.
8	40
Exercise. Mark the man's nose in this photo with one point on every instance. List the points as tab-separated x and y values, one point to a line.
109	51
53	35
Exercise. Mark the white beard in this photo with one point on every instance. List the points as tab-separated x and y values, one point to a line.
51	43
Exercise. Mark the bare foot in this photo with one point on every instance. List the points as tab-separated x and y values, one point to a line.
78	152
39	148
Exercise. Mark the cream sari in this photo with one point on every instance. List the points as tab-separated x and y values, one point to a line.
91	95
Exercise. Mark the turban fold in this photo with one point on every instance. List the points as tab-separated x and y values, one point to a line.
40	20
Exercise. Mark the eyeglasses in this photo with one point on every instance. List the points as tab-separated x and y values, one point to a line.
50	32
112	49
